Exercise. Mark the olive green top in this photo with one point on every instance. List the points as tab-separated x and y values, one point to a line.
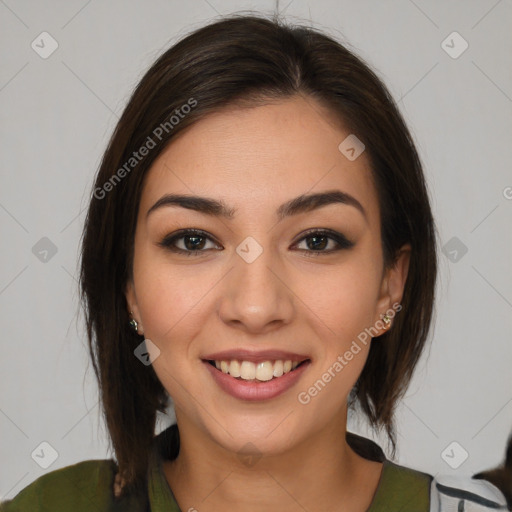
89	486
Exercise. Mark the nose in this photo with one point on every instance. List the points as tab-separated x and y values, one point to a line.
255	295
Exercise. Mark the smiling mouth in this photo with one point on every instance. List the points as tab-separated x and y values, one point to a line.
257	372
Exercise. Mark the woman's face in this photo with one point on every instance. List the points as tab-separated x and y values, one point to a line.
259	287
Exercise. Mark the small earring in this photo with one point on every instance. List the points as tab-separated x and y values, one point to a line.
386	320
134	324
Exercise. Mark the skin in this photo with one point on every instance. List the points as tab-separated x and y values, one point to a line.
289	299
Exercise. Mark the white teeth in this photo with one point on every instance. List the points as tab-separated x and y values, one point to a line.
278	368
263	371
234	369
247	370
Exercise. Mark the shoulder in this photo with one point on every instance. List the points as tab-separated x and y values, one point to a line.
459	492
84	486
400	487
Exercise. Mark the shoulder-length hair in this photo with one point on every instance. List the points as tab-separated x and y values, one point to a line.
247	61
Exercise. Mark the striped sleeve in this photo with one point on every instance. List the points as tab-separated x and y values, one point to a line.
455	493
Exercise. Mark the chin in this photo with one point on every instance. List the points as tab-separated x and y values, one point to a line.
260	437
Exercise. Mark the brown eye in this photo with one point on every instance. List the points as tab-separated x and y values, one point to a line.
318	240
194	242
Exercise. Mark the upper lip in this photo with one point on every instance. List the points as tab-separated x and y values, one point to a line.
255	356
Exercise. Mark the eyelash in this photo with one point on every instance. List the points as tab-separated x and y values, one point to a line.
341	240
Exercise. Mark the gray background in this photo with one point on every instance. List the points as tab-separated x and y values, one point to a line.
57	114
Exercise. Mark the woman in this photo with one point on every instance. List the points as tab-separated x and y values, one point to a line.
260	248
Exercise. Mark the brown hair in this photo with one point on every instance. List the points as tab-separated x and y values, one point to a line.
239	61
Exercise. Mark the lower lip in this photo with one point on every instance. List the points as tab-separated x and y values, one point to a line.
256	390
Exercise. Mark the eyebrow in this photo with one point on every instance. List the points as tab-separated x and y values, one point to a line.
301	204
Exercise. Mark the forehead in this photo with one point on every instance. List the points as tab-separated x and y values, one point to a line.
260	157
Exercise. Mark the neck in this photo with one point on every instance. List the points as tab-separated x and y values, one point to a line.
320	473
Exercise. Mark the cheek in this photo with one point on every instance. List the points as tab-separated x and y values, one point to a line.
342	297
172	299
170	305
343	301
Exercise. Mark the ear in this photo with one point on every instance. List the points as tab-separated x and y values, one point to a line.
131	303
392	289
